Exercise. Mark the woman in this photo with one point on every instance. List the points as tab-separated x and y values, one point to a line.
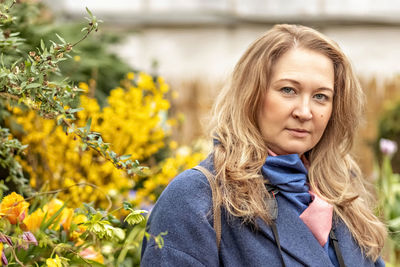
282	129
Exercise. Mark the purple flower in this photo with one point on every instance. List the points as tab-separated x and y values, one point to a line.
30	238
6	239
387	147
4	259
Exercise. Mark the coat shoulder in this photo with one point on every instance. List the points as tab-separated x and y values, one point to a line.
190	190
183	211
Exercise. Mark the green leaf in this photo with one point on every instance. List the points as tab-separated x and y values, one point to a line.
33	85
61	39
88	11
52	219
42	45
88	124
127	205
125	157
74	110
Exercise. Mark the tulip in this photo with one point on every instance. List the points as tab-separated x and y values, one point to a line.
387	147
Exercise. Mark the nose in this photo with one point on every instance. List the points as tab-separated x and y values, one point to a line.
302	110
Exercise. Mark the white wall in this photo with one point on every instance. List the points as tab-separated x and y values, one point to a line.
210	53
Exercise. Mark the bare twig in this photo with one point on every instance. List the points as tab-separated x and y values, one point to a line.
68	187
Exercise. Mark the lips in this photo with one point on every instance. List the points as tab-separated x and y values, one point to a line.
296	132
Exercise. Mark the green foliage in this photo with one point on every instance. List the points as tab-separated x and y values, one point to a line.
389	127
50	232
29	80
9	166
388	190
33	22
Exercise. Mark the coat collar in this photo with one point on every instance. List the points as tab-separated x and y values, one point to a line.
295	237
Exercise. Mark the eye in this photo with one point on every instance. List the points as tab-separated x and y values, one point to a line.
321	97
287	90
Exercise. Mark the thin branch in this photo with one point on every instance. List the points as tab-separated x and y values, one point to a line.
8	96
85	36
68	187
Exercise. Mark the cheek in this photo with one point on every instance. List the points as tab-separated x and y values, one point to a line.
323	120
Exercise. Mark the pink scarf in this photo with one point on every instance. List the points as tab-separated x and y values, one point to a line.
318	215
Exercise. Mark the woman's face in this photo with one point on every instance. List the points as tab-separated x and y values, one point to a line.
298	102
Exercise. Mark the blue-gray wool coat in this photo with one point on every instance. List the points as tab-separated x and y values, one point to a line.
184	210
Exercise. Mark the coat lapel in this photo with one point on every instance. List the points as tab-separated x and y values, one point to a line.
295	237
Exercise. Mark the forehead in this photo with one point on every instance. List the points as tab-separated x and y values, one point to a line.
304	65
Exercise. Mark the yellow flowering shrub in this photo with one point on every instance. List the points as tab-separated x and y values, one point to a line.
184	158
135	122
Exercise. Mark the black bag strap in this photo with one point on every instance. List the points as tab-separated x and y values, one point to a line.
278	243
335	242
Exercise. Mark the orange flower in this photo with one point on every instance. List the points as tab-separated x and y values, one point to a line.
14	208
90	253
34	220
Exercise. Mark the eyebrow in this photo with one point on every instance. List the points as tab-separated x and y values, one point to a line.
298	84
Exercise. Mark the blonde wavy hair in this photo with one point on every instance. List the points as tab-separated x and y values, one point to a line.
241	149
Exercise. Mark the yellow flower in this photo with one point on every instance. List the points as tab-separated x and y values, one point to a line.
66	218
136	122
84	86
53	206
130	76
90	253
34	220
78	220
56	262
173	145
14	208
77	58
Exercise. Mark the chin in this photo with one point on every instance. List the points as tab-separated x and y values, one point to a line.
296	150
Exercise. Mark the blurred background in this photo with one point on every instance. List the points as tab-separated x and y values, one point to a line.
148	79
195	44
